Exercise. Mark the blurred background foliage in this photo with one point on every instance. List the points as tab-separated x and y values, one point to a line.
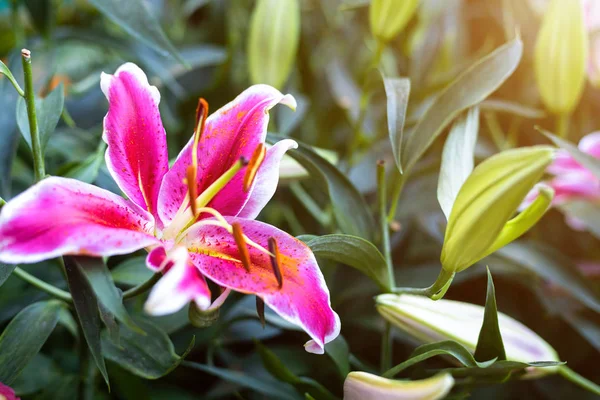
212	49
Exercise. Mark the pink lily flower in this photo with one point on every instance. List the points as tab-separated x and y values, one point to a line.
196	219
571	180
6	393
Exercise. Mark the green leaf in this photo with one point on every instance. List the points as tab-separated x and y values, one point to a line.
242	379
135	18
23	338
48	111
489	344
457	158
149	356
339	352
587	160
397	91
5	271
487	200
446	348
86	307
132	271
42	14
6	72
355	252
351	211
38	374
273	40
552	265
282	373
88	169
98	275
510	107
470	88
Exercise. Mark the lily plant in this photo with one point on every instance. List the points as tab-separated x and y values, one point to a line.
196	218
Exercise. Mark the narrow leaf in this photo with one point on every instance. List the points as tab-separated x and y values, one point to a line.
397	91
48	112
587	160
489	344
339	352
6	72
355	252
23	338
101	282
470	88
5	271
457	159
86	307
135	18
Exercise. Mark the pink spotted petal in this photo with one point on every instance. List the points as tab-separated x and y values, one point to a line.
303	299
7	393
137	145
231	132
64	216
181	284
266	179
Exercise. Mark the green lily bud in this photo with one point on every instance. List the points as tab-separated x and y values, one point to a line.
388	17
561	56
273	41
202	318
480	220
432	321
362	385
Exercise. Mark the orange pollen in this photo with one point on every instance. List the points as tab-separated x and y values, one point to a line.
238	235
192	189
276	261
255	162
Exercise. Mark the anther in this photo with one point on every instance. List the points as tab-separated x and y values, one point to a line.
238	235
192	189
260	310
276	261
255	162
201	115
244	161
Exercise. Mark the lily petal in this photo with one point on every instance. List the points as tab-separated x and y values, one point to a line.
266	179
7	393
231	132
181	284
362	385
303	298
64	216
137	155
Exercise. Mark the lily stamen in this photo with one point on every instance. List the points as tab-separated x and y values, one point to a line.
255	162
238	235
276	261
192	188
260	310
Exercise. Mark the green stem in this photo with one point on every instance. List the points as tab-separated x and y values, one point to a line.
143	287
435	291
562	125
399	185
385	232
579	380
386	347
36	148
46	287
364	101
2	202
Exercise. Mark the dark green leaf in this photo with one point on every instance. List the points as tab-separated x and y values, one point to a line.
9	135
551	264
149	356
132	271
242	379
354	252
23	338
489	343
397	91
350	209
101	281
42	14
587	160
470	88
86	307
87	170
135	18
340	354
5	271
39	373
48	111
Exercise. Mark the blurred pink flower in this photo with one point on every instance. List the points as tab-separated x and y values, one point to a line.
6	393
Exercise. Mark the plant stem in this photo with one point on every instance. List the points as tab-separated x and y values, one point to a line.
386	347
385	232
46	287
143	287
579	380
36	148
562	125
398	186
364	100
